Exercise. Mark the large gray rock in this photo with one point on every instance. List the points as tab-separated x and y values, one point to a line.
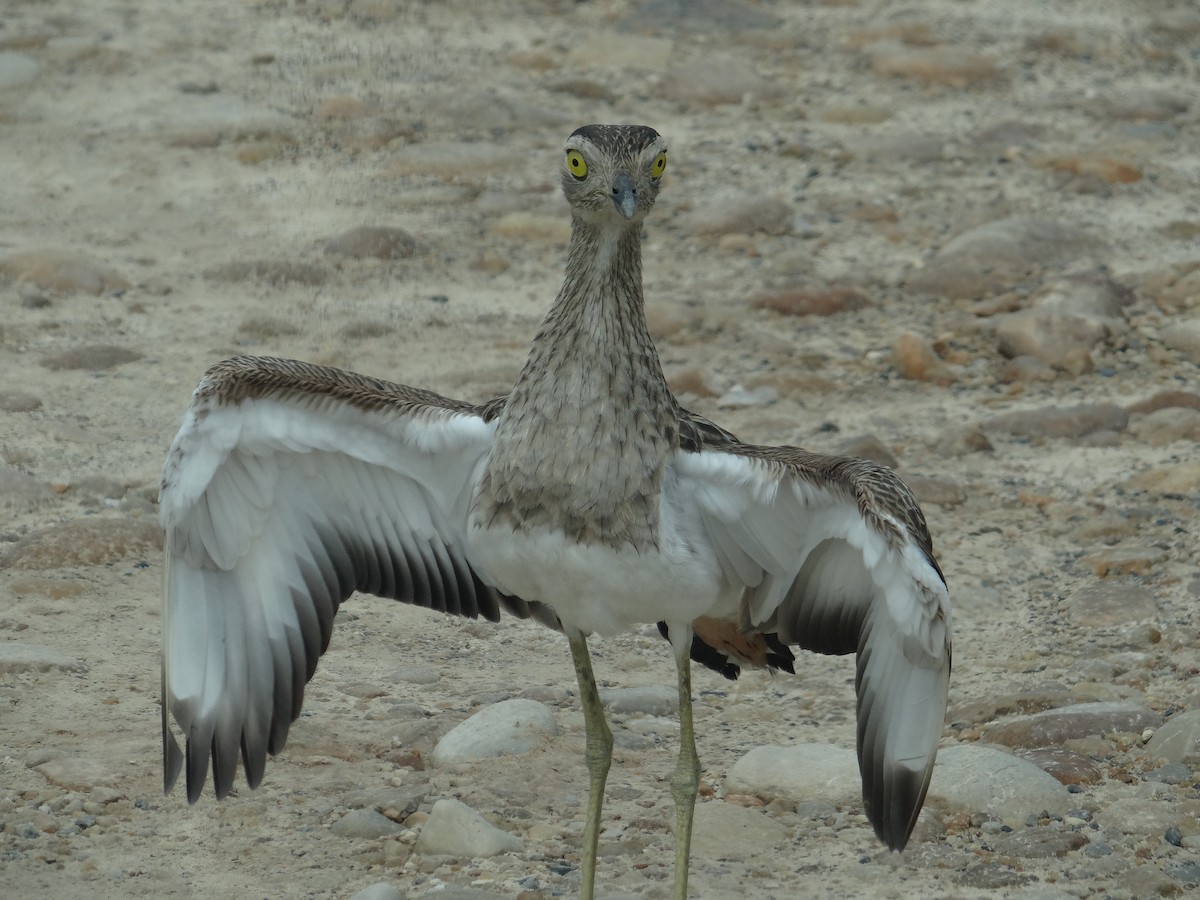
454	829
1061	421
20	657
1178	739
508	727
975	778
366	824
998	254
379	891
649	700
17	69
819	772
1053	726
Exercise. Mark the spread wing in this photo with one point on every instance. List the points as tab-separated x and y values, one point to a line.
288	487
833	555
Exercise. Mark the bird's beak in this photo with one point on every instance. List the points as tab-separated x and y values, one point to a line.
624	195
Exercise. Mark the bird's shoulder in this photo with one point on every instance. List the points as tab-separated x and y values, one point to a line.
882	497
240	378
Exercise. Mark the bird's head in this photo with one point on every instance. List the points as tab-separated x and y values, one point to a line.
611	173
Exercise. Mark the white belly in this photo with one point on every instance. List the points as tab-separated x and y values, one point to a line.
596	588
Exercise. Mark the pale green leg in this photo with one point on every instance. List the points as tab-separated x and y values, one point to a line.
685	780
599	757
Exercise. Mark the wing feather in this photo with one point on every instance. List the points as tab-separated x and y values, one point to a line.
832	555
288	487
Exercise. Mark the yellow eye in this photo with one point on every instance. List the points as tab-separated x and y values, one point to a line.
577	164
658	166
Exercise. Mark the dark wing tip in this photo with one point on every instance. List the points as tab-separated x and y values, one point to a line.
707	656
893	805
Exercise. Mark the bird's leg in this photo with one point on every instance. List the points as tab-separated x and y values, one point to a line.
685	780
599	756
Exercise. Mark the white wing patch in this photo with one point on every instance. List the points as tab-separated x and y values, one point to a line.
275	510
800	560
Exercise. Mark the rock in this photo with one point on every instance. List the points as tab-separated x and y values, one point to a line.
1186	872
1182	22
17	70
1090	168
454	829
1054	726
19	401
936	490
1112	603
1178	739
341	108
508	727
491	111
396	803
998	255
649	700
727	831
377	242
200	120
1184	338
465	163
81	773
92	541
1141	105
91	357
266	328
915	360
1174	289
275	272
530	226
1061	421
18	657
1171	773
1131	560
365	824
817	302
1039	842
608	49
1165	400
1168	425
381	890
1028	369
741	214
740	396
1135	815
935	65
62	272
713	80
726	17
1175	478
1067	766
963	440
21	493
913	147
804	772
856	113
868	446
415	675
974	778
1059	340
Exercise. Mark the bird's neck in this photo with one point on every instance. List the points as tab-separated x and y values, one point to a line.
594	347
586	432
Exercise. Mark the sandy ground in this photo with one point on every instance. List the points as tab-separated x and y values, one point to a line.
172	176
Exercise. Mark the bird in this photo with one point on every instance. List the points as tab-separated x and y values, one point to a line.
587	499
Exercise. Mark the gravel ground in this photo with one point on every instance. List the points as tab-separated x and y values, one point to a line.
960	236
